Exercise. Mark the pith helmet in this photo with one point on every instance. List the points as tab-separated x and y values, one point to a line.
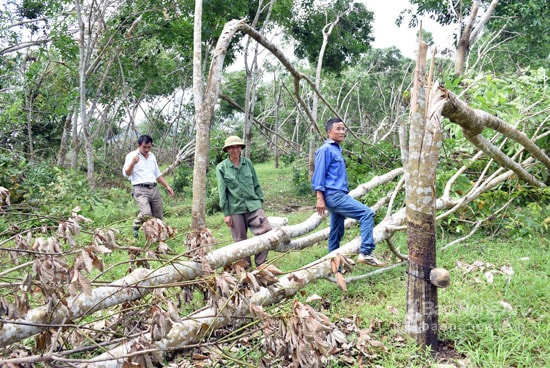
233	141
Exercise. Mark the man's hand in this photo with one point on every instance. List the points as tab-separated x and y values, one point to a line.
321	206
170	190
228	221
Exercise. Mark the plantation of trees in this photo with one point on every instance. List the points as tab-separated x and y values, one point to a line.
443	148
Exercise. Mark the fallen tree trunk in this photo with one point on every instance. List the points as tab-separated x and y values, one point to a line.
474	121
194	327
142	281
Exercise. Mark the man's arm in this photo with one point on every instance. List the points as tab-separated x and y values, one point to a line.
319	179
129	164
222	189
163	181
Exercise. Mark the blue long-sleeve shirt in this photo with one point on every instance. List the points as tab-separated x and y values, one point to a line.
330	169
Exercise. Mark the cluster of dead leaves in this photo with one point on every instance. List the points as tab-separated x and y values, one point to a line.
199	243
156	231
489	270
302	339
262	276
341	343
67	230
51	277
307	338
227	291
159	322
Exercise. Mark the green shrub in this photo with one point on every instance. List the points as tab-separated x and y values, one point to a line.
300	181
365	161
13	169
66	190
212	194
288	158
183	179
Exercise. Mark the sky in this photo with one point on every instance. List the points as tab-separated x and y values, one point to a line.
387	34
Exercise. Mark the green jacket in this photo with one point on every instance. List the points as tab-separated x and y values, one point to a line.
239	188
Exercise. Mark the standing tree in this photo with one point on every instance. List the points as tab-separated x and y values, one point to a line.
518	32
420	163
203	117
471	17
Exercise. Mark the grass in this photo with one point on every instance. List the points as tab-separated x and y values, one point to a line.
488	316
476	326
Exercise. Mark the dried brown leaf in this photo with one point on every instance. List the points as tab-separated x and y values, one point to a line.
173	313
254	285
163	247
102	250
197	356
42	341
40	245
507	270
341	281
73	227
295	278
86	258
81	219
21	242
334	264
377	346
271	268
506	305
313	298
85	284
4	197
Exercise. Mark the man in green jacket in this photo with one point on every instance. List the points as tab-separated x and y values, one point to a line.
241	197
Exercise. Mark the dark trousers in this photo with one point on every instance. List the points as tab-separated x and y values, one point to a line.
258	224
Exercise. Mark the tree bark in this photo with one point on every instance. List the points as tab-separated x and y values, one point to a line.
327	30
202	134
62	153
425	136
471	32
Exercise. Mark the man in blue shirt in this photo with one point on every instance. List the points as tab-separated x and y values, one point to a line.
330	183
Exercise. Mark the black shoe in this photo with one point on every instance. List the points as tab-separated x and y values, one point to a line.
135	232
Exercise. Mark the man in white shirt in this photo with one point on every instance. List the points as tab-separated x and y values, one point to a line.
141	168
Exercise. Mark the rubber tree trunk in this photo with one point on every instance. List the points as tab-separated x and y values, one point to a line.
421	316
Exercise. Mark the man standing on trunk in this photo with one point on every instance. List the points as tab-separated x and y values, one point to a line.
330	183
241	197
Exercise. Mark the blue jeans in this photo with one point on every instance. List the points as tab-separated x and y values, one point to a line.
340	206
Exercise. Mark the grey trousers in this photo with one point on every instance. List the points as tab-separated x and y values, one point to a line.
149	203
258	224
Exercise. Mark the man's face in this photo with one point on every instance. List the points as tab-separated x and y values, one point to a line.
338	132
144	148
234	151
